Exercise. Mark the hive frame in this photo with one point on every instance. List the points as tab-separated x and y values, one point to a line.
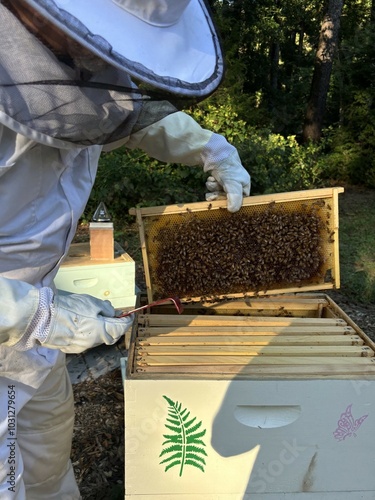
329	195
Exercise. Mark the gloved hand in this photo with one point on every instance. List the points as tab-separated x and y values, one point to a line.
227	173
179	138
80	322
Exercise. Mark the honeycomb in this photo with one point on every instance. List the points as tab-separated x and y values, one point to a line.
210	253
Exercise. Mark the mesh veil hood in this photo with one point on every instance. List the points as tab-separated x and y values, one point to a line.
40	94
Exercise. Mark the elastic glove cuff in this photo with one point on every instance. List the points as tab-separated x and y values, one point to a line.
40	324
81	322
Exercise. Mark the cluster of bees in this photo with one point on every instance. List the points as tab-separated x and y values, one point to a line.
238	253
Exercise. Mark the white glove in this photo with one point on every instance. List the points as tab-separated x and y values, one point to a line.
71	323
79	322
179	138
227	173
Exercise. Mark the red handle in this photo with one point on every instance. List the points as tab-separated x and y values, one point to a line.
176	301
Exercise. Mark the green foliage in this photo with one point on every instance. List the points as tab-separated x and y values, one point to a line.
351	153
220	115
263	117
347	163
251	33
184	446
357	241
279	164
128	179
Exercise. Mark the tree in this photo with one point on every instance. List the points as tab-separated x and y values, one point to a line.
322	71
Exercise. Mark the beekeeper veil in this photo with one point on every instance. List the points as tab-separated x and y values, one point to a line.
168	47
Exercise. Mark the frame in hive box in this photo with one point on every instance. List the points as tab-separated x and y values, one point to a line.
261	396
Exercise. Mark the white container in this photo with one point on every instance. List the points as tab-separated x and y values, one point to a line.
112	280
264	439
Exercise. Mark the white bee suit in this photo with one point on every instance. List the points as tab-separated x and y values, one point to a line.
48	162
37	452
43	191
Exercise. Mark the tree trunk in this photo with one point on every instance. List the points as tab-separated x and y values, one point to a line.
275	60
322	71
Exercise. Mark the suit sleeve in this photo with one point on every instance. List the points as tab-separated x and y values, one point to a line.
18	306
177	138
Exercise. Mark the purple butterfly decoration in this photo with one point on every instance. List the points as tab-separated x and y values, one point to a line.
347	426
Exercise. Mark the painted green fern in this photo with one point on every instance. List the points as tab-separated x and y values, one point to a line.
184	446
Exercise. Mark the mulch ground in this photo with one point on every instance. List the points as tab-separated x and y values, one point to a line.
98	443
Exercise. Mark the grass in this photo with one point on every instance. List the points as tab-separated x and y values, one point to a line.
357	244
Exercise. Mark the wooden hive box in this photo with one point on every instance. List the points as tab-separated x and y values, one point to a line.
259	394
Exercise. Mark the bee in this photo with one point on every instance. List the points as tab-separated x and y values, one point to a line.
319	203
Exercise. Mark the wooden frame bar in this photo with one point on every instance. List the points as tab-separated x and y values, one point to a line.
250	340
241	331
236	321
311	194
258	372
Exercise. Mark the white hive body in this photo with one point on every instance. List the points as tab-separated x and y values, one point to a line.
107	279
263	396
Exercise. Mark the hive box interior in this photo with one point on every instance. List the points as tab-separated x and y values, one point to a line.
283	336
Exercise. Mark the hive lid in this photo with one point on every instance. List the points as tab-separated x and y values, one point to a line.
277	243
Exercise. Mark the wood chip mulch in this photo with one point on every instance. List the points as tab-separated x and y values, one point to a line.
98	442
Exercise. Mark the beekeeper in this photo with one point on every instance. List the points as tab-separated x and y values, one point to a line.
66	92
